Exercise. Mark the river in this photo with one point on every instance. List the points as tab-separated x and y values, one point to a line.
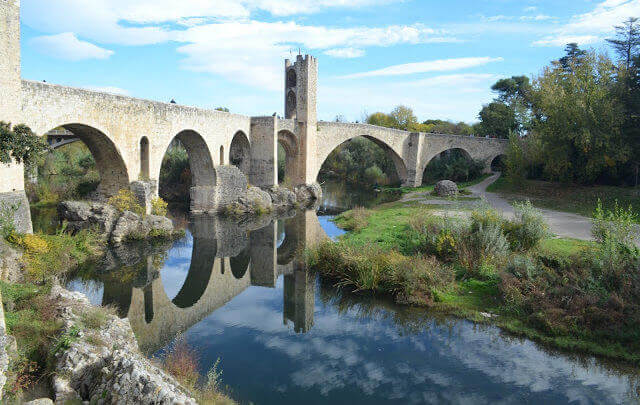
241	294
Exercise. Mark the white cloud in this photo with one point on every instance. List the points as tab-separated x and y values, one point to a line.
68	46
346	53
539	17
441	65
530	9
593	26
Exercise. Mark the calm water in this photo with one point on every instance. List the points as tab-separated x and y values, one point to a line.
240	293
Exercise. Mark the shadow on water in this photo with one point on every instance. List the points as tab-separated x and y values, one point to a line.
241	293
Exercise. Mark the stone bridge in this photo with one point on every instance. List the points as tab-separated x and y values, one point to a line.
128	137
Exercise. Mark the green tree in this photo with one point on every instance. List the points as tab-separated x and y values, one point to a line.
404	118
20	144
498	120
627	41
516	93
580	123
382	120
573	57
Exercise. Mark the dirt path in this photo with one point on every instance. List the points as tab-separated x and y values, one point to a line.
563	224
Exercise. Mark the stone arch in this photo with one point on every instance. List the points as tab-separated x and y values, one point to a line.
109	162
144	158
400	166
434	154
200	161
289	143
496	164
240	152
286	252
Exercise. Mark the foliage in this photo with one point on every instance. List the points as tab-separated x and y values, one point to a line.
65	173
7	219
159	207
359	161
627	42
20	144
615	231
497	120
353	220
175	174
47	256
454	165
125	200
528	229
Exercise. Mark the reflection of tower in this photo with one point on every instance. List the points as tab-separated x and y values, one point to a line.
299	300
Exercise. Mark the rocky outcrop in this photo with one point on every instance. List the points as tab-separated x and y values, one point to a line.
10	264
104	365
115	227
446	188
272	199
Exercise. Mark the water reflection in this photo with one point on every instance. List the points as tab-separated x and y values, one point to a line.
241	293
339	196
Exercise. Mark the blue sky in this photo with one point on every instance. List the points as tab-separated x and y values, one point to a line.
438	57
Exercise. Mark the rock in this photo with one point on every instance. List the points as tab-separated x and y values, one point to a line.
84	215
114	227
307	194
10	264
108	368
282	197
446	188
40	401
255	199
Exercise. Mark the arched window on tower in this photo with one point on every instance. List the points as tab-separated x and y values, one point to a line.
144	158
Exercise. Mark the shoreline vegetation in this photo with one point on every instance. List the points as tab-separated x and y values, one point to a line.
579	296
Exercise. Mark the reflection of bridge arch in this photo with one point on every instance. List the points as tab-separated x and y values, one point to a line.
194	286
291	243
240	264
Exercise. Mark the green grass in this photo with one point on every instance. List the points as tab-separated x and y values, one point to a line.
429	187
570	198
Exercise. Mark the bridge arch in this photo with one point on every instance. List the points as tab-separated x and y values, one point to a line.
113	172
201	163
454	152
401	172
289	143
240	152
144	158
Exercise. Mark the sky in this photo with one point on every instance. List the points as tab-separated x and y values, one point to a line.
437	57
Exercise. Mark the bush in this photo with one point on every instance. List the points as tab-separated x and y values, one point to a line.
125	200
529	228
354	220
159	207
482	249
7	221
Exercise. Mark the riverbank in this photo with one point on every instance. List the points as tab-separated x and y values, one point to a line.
472	263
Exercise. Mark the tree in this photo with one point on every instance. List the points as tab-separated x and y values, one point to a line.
20	144
382	120
223	109
516	93
497	120
627	41
573	56
404	118
580	122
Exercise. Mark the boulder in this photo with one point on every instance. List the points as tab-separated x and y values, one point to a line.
88	215
307	194
10	263
446	188
128	226
282	197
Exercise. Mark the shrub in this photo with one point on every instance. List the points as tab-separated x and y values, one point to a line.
615	232
354	220
182	363
7	221
485	217
528	229
125	200
159	207
483	247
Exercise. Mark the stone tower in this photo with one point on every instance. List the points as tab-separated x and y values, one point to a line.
301	87
12	176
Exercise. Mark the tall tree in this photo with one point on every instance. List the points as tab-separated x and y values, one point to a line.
19	144
573	56
627	41
516	93
498	120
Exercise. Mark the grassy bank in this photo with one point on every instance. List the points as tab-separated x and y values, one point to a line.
430	187
575	295
570	198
